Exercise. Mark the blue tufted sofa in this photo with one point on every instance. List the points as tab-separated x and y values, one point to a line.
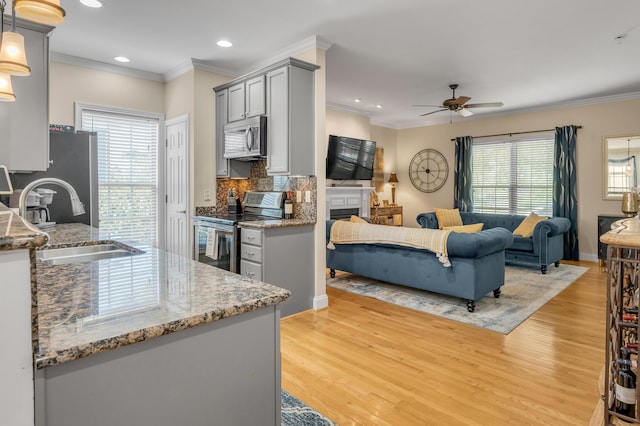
543	248
477	264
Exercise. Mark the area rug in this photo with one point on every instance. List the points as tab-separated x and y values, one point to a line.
525	291
297	413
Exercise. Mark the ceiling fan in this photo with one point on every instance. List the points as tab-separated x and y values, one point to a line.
459	104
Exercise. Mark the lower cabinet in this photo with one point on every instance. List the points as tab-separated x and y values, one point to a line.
282	257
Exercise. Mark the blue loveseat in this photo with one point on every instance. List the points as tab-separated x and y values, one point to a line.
545	247
477	264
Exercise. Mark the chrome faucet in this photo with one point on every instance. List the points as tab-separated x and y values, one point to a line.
77	207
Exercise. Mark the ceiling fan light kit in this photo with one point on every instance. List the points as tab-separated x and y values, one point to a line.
459	104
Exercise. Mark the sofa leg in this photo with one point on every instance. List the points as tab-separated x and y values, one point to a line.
497	292
557	264
471	305
543	269
332	273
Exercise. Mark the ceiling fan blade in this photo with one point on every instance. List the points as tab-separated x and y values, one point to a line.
429	106
433	112
485	105
461	100
464	112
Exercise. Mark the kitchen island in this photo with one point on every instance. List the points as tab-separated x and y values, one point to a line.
152	339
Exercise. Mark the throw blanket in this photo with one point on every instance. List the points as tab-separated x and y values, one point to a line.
435	240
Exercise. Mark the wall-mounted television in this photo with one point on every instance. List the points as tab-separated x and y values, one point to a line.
350	158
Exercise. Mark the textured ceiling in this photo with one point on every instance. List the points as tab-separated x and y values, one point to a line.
528	55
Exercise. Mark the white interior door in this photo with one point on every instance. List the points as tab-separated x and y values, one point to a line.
177	186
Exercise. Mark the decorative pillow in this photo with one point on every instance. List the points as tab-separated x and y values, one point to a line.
525	229
357	219
448	217
467	229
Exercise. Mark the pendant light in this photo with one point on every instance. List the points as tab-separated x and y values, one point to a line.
6	91
13	58
46	12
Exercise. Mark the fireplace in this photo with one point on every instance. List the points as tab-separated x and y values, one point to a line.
342	202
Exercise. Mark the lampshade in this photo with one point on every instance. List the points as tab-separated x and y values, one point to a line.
46	12
13	58
393	178
6	91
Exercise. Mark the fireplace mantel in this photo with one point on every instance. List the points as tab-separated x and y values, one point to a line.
348	197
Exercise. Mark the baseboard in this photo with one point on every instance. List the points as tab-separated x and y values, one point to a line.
321	302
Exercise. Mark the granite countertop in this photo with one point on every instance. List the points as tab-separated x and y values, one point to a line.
17	233
624	232
276	223
89	307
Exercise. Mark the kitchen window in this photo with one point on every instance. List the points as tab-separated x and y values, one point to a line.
513	176
129	206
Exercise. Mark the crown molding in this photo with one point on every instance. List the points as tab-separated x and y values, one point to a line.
313	42
343	108
196	64
444	119
103	66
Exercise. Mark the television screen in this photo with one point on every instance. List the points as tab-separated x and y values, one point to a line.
350	158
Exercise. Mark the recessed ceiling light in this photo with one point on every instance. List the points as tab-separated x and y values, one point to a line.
91	3
379	106
224	43
121	59
357	100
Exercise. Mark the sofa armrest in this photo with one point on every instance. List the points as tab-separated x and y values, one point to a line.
550	227
427	220
478	244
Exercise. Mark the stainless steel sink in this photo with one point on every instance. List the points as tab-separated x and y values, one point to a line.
62	255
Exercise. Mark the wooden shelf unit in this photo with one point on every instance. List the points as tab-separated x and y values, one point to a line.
623	270
389	215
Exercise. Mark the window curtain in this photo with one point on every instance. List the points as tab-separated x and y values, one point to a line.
565	203
462	189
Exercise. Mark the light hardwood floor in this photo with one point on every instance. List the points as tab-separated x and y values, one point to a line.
365	362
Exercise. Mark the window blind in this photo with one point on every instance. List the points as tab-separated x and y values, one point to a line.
127	175
513	176
127	207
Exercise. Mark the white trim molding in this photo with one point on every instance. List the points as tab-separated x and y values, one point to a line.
321	302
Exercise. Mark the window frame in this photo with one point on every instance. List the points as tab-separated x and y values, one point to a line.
512	187
81	107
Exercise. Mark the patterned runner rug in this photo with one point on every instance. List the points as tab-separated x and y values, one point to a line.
297	413
525	291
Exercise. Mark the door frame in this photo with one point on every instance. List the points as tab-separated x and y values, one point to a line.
184	118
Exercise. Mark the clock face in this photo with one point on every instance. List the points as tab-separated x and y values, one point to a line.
428	170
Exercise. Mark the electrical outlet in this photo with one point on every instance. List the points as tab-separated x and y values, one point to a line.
207	195
307	196
298	196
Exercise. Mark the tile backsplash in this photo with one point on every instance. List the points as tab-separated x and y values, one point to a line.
260	181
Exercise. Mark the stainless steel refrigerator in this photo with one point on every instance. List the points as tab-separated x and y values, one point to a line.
74	159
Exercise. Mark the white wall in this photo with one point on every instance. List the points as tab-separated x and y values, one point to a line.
70	83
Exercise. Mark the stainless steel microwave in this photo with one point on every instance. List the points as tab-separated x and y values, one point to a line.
246	139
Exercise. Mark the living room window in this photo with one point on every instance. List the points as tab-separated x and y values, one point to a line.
513	176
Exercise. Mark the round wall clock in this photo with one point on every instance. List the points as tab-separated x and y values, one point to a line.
428	170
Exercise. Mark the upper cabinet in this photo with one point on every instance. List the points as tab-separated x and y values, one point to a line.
284	92
24	123
246	99
224	167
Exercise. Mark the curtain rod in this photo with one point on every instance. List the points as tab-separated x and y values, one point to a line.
514	133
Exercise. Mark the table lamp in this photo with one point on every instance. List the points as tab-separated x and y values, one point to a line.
393	179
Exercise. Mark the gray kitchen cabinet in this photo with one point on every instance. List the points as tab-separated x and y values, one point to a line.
226	168
24	124
246	99
284	92
283	257
290	129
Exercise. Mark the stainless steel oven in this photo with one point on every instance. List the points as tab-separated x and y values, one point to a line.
216	243
217	239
